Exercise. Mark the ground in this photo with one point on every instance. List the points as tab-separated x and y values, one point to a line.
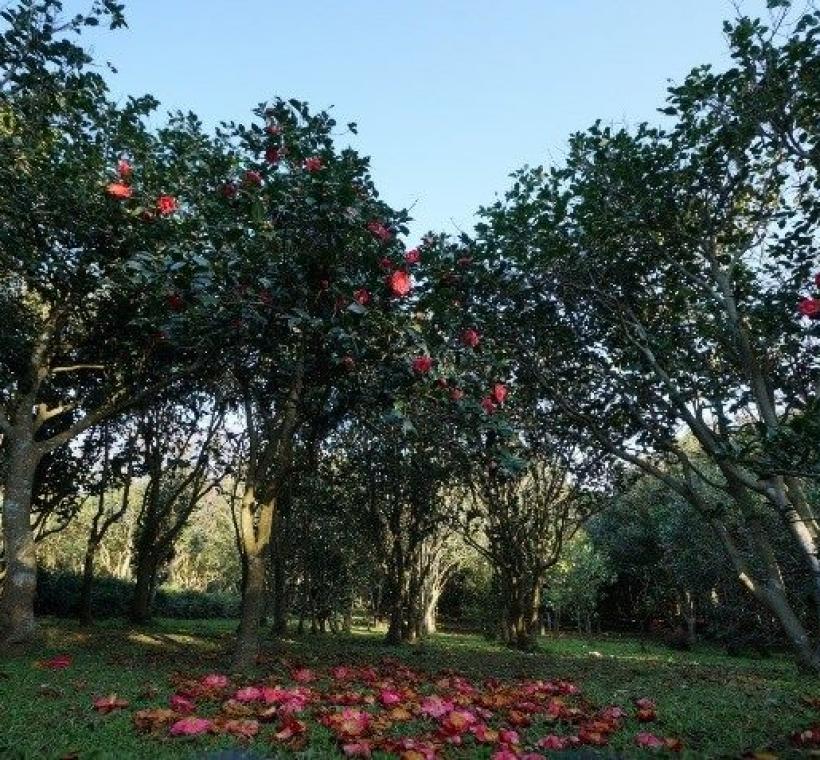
718	706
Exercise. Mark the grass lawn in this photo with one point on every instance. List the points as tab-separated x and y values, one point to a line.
718	706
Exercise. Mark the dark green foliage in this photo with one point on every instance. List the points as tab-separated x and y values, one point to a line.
58	594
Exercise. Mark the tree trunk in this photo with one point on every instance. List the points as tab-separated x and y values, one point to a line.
20	582
141	602
84	612
253	605
280	605
520	612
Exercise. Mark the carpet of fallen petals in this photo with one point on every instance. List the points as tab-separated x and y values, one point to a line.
394	709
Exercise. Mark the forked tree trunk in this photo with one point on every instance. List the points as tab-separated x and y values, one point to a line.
20	583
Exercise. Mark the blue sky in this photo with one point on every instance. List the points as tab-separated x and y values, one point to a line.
450	96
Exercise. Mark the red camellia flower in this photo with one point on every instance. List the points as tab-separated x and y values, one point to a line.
386	264
413	256
272	155
488	405
273	129
362	296
465	261
422	364
470	338
228	190
124	169
349	363
253	177
313	164
119	191
456	394
499	393
399	283
166	204
810	307
817	279
379	231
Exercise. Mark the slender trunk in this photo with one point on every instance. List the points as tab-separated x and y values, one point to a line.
253	605
145	572
84	612
20	582
770	591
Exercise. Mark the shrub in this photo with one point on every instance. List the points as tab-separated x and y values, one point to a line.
58	594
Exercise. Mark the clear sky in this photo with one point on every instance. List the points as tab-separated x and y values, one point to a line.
450	95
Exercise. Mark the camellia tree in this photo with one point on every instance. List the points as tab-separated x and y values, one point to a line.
659	282
97	216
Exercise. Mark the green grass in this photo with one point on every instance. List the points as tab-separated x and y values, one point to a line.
719	706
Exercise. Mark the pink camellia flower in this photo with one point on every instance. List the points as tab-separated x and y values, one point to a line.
290	727
124	168
644	703
413	256
488	405
456	722
613	713
508	736
504	754
810	307
362	296
470	338
109	704
357	749
252	177
484	734
119	191
181	704
351	723
456	394
499	393
58	662
389	697
273	155
313	164
553	741
421	365
399	284
191	726
377	229
649	741
434	706
341	672
303	675
248	694
214	681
